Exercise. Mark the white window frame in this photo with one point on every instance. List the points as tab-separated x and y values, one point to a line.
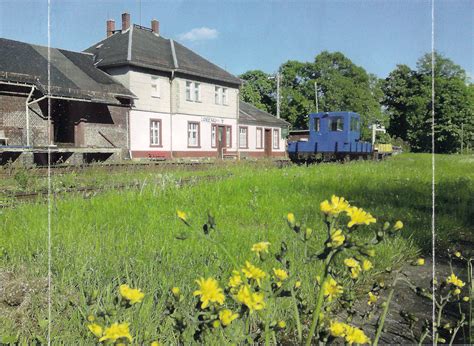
155	133
259	141
155	86
228	136
276	138
193	127
189	94
197	92
224	98
243	144
217	95
213	136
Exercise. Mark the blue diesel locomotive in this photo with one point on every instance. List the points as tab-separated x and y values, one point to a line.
332	136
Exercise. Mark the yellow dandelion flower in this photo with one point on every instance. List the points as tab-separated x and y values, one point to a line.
466	299
335	207
176	291
226	317
356	336
235	280
95	329
398	225
454	280
252	272
297	284
359	217
280	274
261	247
281	324
181	215
457	254
372	298
155	343
209	291
331	288
337	238
133	295
117	331
367	265
351	262
457	291
216	324
337	329
420	261
291	219
254	301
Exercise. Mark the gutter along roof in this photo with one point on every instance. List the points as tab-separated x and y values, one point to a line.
139	46
72	74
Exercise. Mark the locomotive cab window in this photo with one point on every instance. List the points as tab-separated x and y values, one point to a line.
354	124
336	124
317	124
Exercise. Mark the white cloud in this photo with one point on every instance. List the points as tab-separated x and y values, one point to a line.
199	34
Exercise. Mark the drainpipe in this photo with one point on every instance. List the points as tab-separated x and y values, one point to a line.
28	116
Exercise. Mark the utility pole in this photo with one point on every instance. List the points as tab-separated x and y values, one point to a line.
462	138
278	95
316	96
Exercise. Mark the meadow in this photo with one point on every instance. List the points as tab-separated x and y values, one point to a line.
133	236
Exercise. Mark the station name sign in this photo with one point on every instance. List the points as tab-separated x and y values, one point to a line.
212	120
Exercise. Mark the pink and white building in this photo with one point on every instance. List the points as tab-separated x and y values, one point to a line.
186	106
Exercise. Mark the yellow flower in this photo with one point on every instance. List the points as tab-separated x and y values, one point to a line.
297	284
337	238
216	324
466	299
116	331
280	274
252	272
454	280
337	205
133	295
282	324
372	298
155	343
398	225
359	217
337	329
209	291
254	301
367	265
176	291
351	262
457	254
235	280
261	247
181	215
95	329
227	316
457	291
291	219
331	289
356	335
420	261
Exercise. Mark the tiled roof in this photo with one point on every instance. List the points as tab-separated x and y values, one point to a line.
72	74
251	115
141	47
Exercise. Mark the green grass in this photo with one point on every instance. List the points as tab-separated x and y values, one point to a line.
131	236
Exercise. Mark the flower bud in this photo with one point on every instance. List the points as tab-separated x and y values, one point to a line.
308	232
398	225
386	225
291	219
466	299
282	324
176	292
457	254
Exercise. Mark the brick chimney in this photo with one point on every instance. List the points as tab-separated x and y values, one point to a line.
110	27
125	21
155	26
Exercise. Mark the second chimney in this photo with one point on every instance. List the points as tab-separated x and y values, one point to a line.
155	26
125	21
110	27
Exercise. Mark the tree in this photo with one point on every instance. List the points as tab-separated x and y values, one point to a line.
408	101
259	89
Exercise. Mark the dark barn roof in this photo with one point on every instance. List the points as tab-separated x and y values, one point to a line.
72	74
141	47
251	115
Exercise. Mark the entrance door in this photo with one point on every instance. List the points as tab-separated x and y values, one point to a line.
221	141
268	142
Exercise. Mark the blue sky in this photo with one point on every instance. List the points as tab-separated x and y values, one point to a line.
244	35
